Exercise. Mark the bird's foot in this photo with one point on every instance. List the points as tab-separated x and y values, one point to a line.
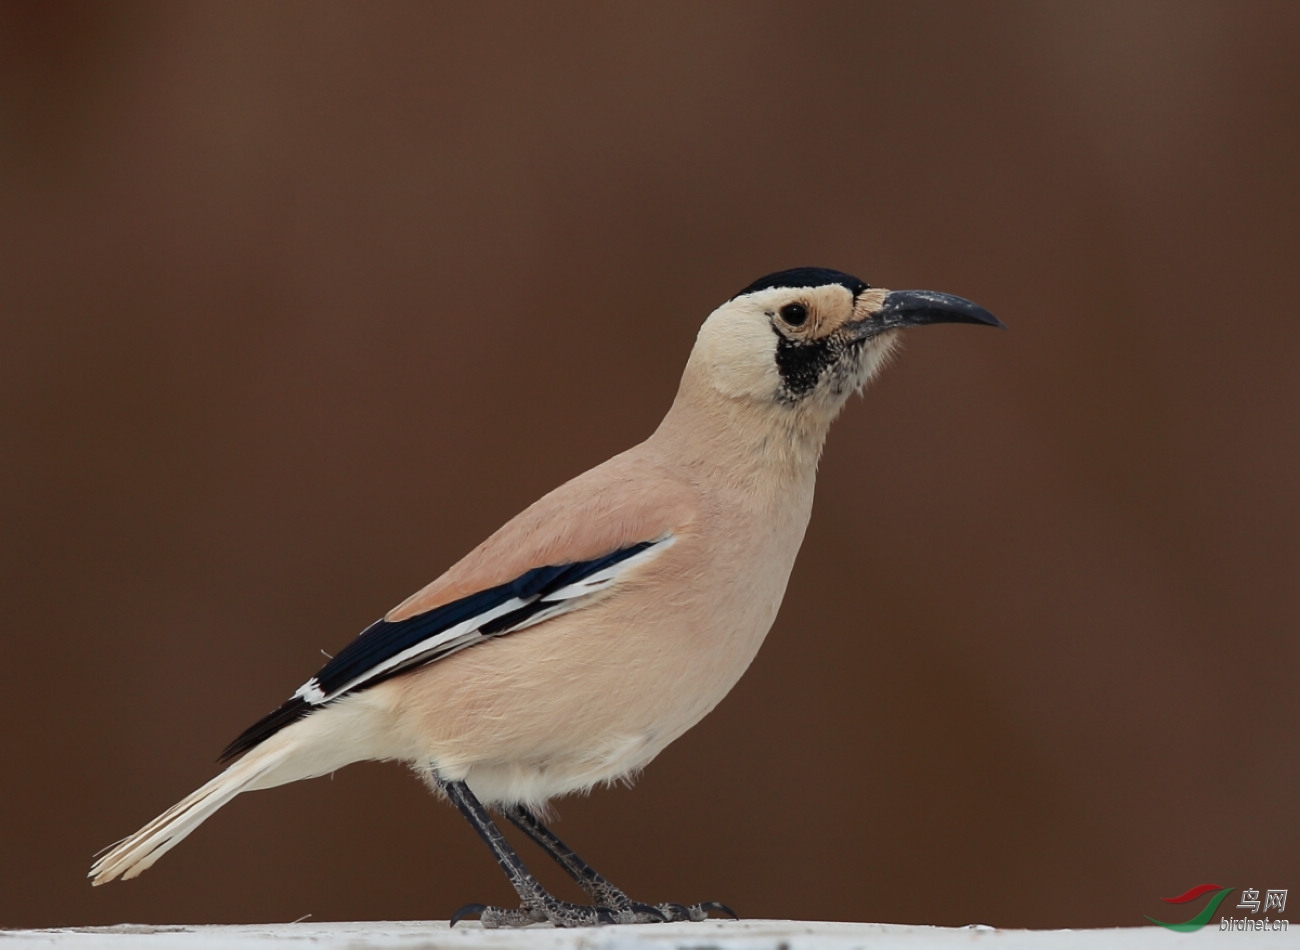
563	914
634	912
552	911
696	912
627	911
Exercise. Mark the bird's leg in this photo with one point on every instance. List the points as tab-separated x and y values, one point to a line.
588	878
625	910
538	905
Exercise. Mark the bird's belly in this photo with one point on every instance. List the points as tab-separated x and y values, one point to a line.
536	780
571	703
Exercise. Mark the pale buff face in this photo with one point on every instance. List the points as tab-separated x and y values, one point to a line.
804	348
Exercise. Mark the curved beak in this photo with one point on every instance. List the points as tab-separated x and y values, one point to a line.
916	308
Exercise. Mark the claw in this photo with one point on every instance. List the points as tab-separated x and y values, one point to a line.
469	910
705	908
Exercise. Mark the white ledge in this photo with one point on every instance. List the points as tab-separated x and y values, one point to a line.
710	935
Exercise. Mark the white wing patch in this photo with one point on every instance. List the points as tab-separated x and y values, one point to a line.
387	647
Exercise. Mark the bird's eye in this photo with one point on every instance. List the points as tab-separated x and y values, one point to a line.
795	314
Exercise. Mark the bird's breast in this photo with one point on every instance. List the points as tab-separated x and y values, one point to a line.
595	694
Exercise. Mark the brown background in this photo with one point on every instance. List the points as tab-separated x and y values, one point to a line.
300	301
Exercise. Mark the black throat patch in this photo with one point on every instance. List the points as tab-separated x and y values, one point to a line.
801	364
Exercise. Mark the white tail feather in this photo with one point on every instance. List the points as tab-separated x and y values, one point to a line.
331	737
139	851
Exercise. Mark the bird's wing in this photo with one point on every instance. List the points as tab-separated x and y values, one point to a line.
556	556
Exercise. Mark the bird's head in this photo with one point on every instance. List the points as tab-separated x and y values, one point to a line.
806	339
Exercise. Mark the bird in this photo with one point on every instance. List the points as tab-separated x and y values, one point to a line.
606	619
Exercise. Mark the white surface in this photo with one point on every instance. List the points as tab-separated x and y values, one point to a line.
711	935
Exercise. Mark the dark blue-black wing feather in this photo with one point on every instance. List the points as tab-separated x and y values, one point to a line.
383	640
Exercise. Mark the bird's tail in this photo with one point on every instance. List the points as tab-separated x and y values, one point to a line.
331	737
139	851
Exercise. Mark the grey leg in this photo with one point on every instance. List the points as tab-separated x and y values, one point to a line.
605	894
538	905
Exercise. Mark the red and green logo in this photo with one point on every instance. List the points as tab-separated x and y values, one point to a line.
1201	919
